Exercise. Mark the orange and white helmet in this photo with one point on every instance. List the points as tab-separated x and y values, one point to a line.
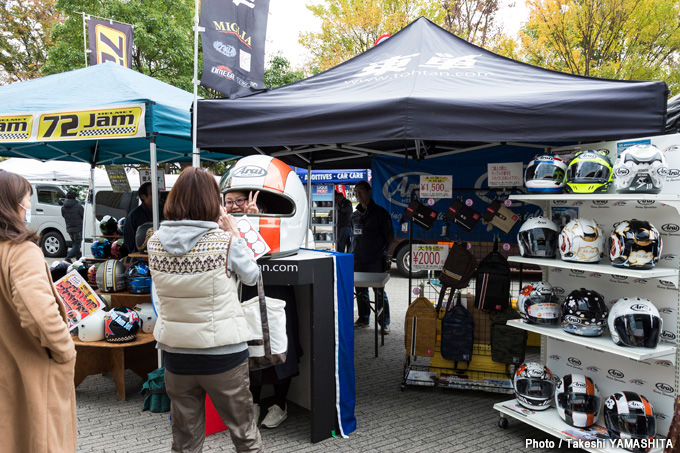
284	214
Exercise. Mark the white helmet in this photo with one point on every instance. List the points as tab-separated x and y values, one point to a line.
538	304
537	238
582	240
640	169
545	174
534	386
635	322
92	327
283	220
577	400
147	316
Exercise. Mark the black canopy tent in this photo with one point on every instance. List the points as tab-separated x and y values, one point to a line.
425	93
673	120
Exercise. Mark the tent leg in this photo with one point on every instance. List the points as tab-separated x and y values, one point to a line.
154	181
309	203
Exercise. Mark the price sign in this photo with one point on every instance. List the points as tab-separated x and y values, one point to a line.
428	256
435	186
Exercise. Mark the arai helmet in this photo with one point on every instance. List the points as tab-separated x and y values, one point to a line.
629	415
284	214
577	400
582	240
534	386
635	322
584	313
589	171
538	304
537	238
640	169
635	244
545	174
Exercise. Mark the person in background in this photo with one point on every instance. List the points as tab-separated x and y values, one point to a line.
343	219
72	212
373	234
37	395
279	376
138	216
195	258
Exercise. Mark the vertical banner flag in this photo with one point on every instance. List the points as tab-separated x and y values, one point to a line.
233	45
110	41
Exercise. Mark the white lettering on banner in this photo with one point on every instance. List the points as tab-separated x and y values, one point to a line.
436	186
428	256
250	5
444	61
394	64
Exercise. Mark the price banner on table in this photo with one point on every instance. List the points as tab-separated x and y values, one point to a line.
436	186
428	256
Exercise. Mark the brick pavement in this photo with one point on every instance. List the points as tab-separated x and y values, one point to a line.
388	420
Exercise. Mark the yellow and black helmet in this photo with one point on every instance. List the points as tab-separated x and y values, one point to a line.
589	171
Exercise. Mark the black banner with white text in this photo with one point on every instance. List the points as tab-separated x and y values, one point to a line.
110	41
233	45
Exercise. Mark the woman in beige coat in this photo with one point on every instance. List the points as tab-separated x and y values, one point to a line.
37	355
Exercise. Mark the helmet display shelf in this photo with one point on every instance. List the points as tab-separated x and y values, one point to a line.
645	366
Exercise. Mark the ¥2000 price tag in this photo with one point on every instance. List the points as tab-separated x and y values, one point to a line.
428	256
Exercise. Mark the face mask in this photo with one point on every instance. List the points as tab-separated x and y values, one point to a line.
27	219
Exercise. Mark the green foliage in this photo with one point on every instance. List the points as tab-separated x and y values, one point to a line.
616	39
279	73
25	36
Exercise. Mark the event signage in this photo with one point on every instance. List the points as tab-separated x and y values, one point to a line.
429	256
80	301
334	176
506	174
233	45
99	123
118	178
435	186
110	41
146	176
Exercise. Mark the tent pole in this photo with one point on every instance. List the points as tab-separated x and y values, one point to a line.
154	181
195	156
93	191
84	39
309	203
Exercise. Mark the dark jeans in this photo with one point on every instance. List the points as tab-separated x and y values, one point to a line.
344	239
363	299
77	238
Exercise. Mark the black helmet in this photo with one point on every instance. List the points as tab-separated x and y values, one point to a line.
58	269
584	313
111	276
121	325
108	225
142	236
635	244
629	415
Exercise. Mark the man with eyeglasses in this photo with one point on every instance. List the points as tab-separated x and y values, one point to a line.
238	202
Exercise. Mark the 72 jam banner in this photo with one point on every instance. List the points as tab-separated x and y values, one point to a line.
233	45
99	123
110	41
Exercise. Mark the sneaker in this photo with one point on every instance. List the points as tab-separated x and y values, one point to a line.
386	330
361	324
275	416
256	408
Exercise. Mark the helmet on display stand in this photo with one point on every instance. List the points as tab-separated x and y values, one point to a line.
142	235
545	174
58	269
589	171
92	327
139	278
538	304
147	316
584	313
534	386
577	399
92	275
635	244
101	248
629	415
121	325
118	249
537	238
111	276
108	225
635	322
582	240
640	169
284	214
121	226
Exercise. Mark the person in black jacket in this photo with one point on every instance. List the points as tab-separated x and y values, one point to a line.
343	219
140	215
72	212
373	234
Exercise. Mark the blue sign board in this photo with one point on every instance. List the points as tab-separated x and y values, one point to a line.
333	176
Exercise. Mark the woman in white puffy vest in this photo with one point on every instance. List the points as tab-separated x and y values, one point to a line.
194	258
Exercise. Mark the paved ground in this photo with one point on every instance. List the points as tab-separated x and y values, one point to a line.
388	420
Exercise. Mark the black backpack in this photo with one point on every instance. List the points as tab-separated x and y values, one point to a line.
458	332
492	292
508	344
458	269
